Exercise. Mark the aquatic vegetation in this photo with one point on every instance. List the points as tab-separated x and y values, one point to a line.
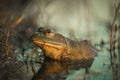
114	46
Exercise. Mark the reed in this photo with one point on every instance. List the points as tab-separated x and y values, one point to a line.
115	40
112	33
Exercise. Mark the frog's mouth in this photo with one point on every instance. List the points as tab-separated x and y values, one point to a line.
48	43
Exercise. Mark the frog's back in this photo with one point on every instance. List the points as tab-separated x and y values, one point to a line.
81	49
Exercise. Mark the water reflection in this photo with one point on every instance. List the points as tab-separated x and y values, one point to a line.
55	70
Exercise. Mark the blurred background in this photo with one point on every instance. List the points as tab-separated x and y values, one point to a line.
78	18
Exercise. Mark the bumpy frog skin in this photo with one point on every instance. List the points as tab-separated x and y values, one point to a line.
59	47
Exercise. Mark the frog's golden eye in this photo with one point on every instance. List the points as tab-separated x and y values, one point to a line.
49	34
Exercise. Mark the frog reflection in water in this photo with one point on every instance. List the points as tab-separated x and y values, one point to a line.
58	70
59	47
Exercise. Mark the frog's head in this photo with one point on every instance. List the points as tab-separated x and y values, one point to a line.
48	38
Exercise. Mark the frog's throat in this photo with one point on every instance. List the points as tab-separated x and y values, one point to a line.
49	44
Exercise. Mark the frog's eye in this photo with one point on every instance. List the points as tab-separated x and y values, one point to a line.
49	33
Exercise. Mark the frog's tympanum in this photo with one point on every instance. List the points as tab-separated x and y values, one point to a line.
59	47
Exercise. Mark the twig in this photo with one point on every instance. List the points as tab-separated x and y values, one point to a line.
112	31
6	42
7	32
119	43
115	71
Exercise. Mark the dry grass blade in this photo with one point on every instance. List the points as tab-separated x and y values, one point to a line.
6	46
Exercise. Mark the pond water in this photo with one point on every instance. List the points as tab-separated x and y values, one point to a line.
98	68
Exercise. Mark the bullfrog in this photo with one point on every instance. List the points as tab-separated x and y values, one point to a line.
58	47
